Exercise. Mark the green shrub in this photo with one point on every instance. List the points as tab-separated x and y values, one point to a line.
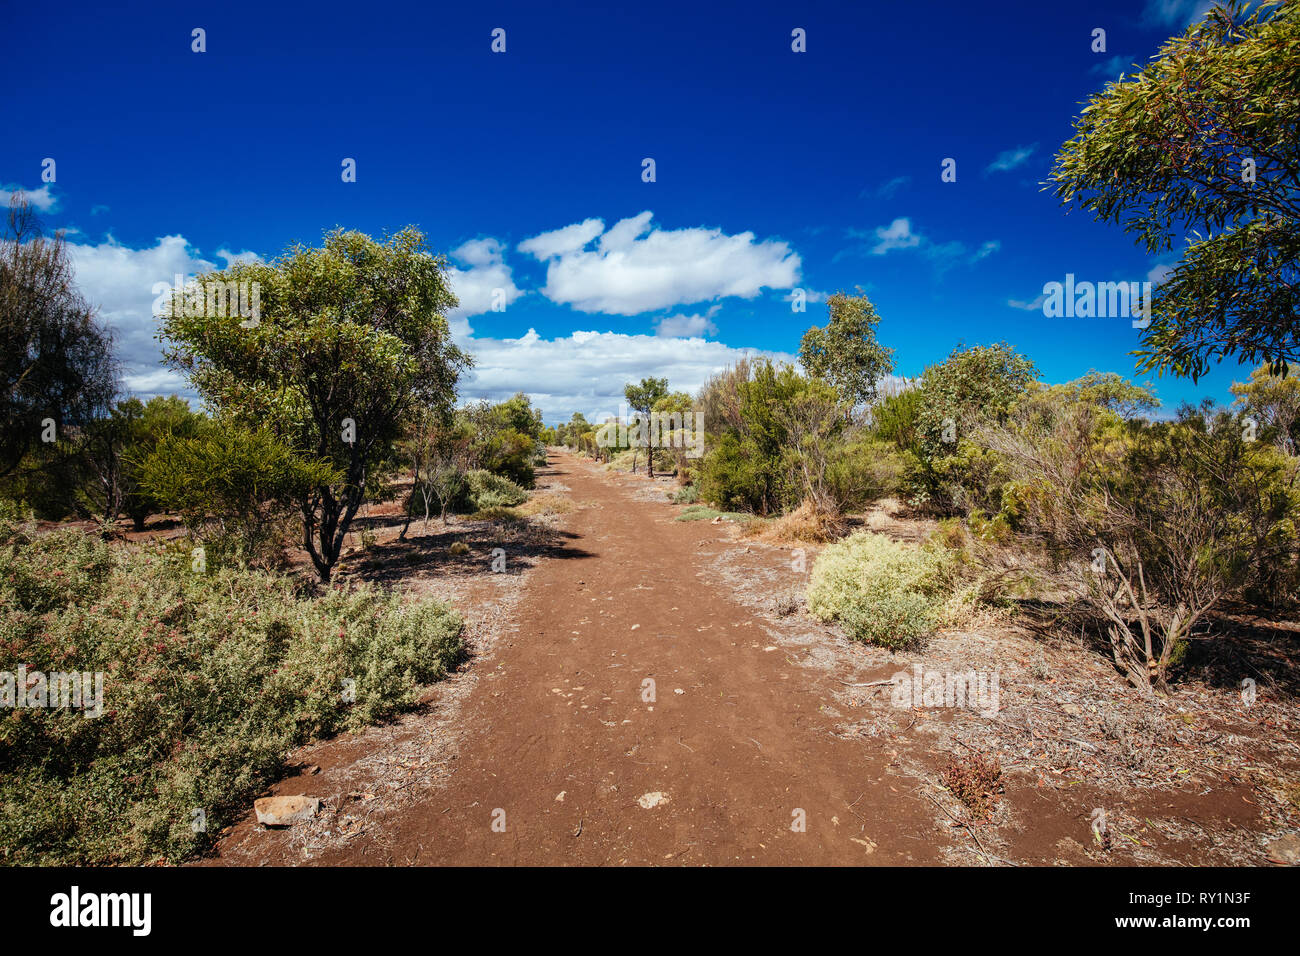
488	491
624	460
446	485
506	438
234	488
686	495
732	475
861	472
210	679
883	592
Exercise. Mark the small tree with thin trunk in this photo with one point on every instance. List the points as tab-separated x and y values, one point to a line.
351	338
642	399
440	448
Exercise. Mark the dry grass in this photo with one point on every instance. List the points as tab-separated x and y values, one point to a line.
545	503
539	504
804	525
499	513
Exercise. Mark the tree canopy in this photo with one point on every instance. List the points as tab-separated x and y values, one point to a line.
1201	147
845	352
350	338
56	360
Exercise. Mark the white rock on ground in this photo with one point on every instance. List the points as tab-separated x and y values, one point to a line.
285	811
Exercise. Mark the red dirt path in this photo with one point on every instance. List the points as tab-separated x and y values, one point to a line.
560	710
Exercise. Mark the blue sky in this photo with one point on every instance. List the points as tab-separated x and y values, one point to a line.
774	169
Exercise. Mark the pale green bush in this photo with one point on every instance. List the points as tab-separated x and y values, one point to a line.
210	680
488	491
883	592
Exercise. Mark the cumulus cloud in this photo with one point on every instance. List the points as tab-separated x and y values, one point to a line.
586	371
1009	159
560	242
636	267
897	235
486	277
688	326
119	281
42	199
238	258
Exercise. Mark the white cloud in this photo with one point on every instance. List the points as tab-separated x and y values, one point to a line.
688	326
897	235
1176	13
240	258
42	199
986	250
560	242
810	296
586	371
119	281
476	285
1011	158
636	267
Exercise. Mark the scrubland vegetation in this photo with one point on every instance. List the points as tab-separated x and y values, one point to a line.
236	634
1142	522
210	680
1149	524
218	654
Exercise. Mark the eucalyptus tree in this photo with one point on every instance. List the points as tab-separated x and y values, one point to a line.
348	340
1199	150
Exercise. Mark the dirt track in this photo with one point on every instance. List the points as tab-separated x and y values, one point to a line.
545	749
736	738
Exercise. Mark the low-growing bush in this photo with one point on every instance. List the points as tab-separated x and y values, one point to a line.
234	488
488	491
976	781
209	680
686	495
883	592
